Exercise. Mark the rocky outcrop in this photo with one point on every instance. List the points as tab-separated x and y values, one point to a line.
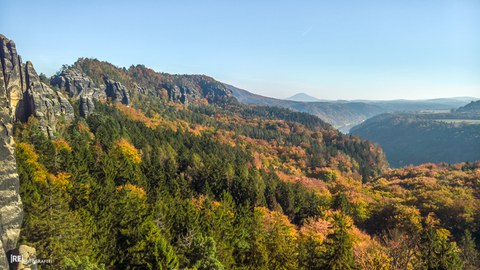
12	70
75	82
176	88
80	87
86	106
93	78
117	92
213	90
11	92
22	95
47	105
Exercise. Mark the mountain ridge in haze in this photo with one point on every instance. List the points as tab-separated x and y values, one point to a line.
303	97
344	114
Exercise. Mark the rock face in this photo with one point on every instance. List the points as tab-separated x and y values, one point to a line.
11	92
86	106
90	79
22	95
12	71
75	83
80	87
47	105
117	92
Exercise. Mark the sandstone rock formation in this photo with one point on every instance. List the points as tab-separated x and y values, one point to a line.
75	83
80	87
117	92
12	84
22	95
47	105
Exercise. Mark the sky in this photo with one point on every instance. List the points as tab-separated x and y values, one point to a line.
378	49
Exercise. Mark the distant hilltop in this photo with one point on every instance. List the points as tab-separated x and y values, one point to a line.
473	106
302	97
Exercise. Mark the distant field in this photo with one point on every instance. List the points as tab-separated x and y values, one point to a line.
433	111
460	121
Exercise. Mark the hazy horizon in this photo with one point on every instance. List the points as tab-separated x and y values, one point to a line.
430	98
337	51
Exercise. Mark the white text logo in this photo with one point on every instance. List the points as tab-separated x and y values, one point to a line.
15	258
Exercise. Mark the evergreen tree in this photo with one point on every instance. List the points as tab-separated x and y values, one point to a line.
469	251
339	254
202	254
438	251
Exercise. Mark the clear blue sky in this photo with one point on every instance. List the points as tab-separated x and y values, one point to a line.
329	49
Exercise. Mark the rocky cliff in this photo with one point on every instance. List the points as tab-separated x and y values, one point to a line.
116	91
78	86
82	88
22	95
48	106
12	84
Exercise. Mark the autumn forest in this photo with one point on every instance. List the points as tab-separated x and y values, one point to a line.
162	183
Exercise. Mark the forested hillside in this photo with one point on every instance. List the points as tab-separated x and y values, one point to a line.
422	138
471	107
213	184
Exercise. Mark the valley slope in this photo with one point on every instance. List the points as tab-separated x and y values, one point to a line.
429	137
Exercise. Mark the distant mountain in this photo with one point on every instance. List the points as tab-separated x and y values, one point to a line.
341	115
344	114
424	138
473	106
302	97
